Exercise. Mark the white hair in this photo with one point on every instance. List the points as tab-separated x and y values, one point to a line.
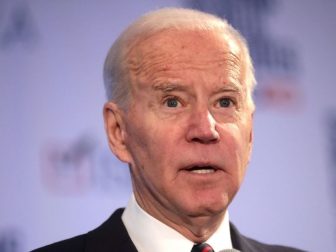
116	74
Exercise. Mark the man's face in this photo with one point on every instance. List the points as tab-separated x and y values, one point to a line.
188	129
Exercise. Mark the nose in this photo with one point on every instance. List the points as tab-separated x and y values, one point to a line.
202	128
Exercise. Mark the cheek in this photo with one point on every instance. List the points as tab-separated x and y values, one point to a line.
137	141
232	135
236	143
146	141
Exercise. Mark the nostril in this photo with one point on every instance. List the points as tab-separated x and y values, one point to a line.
202	128
205	137
204	141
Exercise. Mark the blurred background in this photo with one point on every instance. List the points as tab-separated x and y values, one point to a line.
57	175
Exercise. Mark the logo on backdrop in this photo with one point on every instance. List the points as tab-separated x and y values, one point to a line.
275	58
17	25
11	240
82	165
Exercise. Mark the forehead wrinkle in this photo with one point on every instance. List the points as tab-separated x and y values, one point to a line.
154	63
149	64
155	48
158	62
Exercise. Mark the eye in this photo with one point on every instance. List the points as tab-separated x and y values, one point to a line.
172	102
225	102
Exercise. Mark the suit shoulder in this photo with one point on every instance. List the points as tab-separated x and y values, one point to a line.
263	247
111	234
74	244
244	243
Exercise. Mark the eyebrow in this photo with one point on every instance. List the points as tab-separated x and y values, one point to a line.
169	87
229	87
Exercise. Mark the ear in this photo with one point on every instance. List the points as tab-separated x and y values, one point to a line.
251	133
251	136
115	131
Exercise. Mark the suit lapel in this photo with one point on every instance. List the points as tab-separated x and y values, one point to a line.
110	236
241	242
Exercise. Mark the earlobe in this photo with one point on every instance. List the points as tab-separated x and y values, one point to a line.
115	131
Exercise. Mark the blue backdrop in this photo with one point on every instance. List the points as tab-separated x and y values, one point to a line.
57	176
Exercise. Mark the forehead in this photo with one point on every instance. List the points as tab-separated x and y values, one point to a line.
175	51
183	42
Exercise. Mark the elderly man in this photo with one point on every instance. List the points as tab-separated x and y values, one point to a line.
179	84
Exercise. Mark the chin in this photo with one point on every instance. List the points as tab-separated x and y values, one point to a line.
208	207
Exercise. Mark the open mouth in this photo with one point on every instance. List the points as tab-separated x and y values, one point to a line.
202	169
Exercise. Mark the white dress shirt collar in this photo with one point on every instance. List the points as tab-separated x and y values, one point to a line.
149	234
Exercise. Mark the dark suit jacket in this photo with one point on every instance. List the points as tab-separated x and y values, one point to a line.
112	236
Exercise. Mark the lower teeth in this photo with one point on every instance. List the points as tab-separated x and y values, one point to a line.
203	171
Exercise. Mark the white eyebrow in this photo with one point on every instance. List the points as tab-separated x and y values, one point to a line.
169	87
230	87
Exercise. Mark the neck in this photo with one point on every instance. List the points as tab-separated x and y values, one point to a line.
196	228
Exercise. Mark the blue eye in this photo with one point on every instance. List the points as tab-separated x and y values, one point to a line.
225	102
172	102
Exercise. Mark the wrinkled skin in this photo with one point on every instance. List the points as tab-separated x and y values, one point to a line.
187	132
